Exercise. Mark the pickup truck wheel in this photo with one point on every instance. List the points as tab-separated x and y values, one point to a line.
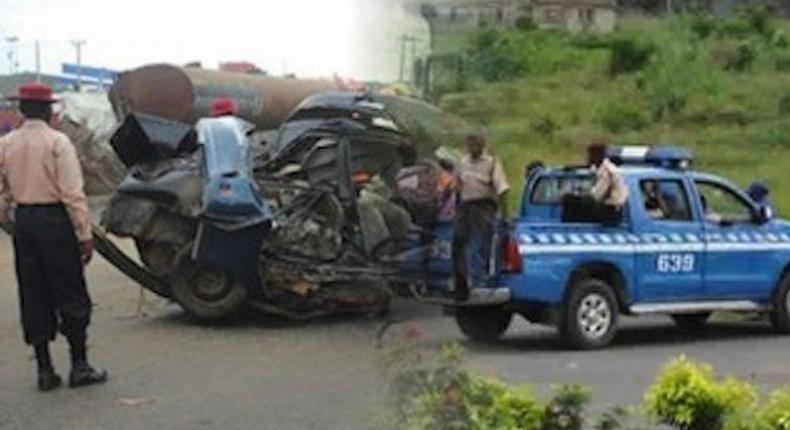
483	324
780	315
691	322
204	292
590	317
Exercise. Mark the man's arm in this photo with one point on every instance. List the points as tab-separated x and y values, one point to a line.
501	187
504	207
603	183
5	193
70	184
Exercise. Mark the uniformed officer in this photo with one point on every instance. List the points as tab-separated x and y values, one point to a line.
759	192
609	188
482	190
41	188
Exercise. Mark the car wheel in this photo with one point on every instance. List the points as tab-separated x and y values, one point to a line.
780	315
483	324
590	317
691	322
205	292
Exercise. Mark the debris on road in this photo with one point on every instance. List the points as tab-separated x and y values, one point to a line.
136	401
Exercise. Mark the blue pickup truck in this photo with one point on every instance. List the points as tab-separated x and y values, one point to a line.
688	244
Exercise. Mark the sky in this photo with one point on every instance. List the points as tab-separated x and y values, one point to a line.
353	38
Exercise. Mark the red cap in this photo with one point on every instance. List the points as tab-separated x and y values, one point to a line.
34	92
223	106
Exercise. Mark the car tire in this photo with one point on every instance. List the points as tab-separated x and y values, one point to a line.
204	292
483	324
589	320
780	315
691	322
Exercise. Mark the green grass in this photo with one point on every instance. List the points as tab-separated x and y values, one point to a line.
731	120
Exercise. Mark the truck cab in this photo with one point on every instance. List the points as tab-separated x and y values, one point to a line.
688	244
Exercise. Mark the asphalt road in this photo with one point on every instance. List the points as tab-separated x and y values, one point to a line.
265	373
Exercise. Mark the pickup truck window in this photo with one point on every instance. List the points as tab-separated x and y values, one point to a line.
665	200
722	204
549	190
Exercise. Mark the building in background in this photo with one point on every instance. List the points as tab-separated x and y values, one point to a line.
716	7
452	16
597	16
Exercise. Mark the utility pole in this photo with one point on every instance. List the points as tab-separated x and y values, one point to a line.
38	61
78	46
12	54
402	58
404	49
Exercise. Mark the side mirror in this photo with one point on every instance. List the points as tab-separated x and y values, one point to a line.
764	214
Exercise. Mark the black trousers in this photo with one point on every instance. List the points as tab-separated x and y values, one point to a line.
52	291
476	218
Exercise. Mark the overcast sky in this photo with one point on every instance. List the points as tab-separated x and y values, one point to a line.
354	38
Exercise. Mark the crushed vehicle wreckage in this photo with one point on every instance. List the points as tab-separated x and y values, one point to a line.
301	226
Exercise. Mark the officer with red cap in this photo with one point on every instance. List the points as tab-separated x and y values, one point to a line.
223	106
41	189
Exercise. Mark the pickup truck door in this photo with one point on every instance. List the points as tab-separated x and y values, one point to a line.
670	250
739	263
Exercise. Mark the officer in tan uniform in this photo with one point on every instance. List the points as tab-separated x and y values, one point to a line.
609	188
482	191
41	189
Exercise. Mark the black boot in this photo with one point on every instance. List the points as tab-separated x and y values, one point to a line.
82	373
48	380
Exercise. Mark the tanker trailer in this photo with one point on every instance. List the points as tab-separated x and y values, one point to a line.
185	94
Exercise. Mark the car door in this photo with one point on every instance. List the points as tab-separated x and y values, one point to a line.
738	262
670	253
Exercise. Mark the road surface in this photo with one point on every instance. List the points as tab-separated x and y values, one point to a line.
257	372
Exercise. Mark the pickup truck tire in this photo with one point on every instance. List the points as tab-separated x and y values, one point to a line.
589	320
205	293
483	324
780	315
691	322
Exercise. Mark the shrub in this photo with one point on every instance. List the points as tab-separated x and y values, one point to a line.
775	415
629	54
617	117
438	393
744	58
779	40
703	25
494	57
545	126
680	70
747	22
565	410
526	23
784	104
612	419
686	396
782	62
758	19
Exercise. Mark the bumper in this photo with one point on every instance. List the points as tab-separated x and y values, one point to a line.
477	297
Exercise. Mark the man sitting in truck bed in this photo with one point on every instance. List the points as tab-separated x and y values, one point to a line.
609	189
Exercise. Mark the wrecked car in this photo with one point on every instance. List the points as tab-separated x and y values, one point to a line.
301	226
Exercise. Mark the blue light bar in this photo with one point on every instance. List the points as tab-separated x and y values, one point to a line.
667	157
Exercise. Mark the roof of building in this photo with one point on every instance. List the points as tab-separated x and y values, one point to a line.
575	3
